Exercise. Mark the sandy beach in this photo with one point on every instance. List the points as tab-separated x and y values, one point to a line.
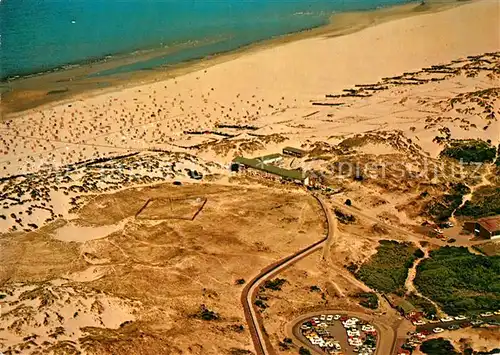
76	175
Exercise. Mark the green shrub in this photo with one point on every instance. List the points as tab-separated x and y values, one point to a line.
261	304
344	218
207	314
275	284
418	254
368	299
438	346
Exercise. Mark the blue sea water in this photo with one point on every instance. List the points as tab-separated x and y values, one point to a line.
40	35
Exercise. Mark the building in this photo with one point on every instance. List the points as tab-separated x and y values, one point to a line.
271	158
240	163
294	152
488	227
407	309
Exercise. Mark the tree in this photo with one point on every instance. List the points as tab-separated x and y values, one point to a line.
438	346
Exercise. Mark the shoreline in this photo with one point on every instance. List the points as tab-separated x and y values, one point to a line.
78	82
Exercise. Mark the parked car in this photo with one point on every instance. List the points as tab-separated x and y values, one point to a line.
419	322
460	318
486	314
447	319
465	325
453	327
438	330
336	317
329	318
477	322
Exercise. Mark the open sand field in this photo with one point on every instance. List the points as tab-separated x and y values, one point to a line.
108	245
153	274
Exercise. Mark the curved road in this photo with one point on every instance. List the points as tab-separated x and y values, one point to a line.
251	289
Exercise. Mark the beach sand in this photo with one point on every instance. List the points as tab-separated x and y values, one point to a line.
36	90
271	89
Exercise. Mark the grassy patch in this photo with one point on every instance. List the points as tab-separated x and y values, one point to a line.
470	151
484	202
461	282
387	270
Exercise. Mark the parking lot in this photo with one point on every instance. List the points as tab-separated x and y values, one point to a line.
449	324
452	323
338	334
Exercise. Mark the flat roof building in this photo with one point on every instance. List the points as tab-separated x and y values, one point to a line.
259	164
270	158
488	227
296	152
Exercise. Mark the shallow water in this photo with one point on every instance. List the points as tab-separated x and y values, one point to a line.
41	35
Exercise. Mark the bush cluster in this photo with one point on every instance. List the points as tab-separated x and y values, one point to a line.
459	281
470	151
387	270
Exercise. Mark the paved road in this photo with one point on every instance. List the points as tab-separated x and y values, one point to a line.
249	292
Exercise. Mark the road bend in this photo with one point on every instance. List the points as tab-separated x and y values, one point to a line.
249	293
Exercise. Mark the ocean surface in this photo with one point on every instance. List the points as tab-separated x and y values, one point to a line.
43	35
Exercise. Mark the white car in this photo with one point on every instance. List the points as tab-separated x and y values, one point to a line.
336	317
447	319
497	313
322	317
419	322
460	318
329	317
486	314
438	330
